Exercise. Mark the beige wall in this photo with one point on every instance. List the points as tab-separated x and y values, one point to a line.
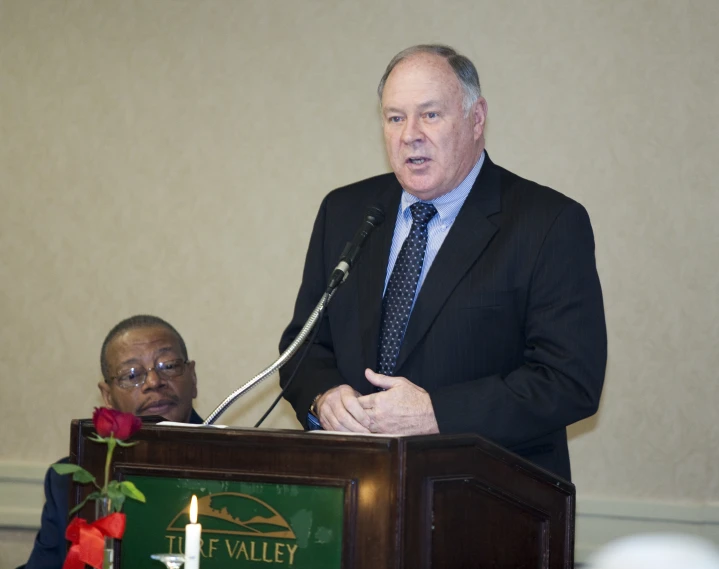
169	156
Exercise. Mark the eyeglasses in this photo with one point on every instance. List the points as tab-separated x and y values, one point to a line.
137	376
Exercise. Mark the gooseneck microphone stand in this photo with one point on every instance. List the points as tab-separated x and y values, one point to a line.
374	216
278	363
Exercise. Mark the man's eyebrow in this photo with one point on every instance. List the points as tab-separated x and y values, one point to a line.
166	349
421	106
428	104
130	361
159	351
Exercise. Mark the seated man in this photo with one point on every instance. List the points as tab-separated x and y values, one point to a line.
146	371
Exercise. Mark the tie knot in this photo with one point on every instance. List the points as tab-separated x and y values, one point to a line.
422	212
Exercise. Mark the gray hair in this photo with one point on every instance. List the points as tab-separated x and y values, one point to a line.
463	68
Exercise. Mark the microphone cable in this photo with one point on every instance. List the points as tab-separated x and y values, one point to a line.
374	216
310	341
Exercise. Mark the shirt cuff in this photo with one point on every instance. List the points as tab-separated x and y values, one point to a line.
313	423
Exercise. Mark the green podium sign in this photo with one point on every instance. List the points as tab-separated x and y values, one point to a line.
244	524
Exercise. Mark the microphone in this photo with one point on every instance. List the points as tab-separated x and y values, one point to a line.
373	218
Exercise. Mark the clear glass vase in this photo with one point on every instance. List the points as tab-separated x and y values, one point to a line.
103	507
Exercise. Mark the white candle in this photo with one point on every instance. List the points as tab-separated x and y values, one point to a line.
192	538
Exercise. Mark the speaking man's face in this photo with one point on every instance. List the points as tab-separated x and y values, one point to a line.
431	143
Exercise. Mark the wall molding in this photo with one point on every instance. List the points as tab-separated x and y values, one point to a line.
21	494
599	520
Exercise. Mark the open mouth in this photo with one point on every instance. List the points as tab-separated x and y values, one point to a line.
417	161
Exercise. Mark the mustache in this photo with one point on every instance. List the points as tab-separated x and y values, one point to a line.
168	399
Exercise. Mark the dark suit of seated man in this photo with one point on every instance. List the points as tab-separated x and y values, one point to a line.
147	372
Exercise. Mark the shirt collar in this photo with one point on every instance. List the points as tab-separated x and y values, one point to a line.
449	204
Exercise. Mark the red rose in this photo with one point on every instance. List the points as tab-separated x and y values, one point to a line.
110	422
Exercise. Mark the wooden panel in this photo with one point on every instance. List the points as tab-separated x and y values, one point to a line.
473	524
529	518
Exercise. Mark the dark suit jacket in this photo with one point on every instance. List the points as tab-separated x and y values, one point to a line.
507	334
50	546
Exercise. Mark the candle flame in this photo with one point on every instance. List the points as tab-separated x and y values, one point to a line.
193	510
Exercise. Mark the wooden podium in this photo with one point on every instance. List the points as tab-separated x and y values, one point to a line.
330	500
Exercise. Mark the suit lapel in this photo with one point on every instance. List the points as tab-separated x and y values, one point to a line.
372	273
468	237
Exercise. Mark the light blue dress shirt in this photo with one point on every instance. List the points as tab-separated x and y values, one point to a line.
448	206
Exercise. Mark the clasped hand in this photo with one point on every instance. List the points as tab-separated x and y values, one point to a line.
403	408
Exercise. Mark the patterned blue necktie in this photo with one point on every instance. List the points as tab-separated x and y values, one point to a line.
399	296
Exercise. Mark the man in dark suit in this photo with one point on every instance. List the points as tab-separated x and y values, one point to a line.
478	299
147	372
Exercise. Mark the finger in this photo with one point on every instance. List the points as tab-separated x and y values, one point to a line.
357	411
379	380
345	420
328	420
375	428
353	425
329	406
349	423
369	404
345	424
367	401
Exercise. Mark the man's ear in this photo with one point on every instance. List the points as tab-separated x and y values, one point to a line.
105	392
479	116
194	379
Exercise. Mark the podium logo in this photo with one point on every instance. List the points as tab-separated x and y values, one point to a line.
235	514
